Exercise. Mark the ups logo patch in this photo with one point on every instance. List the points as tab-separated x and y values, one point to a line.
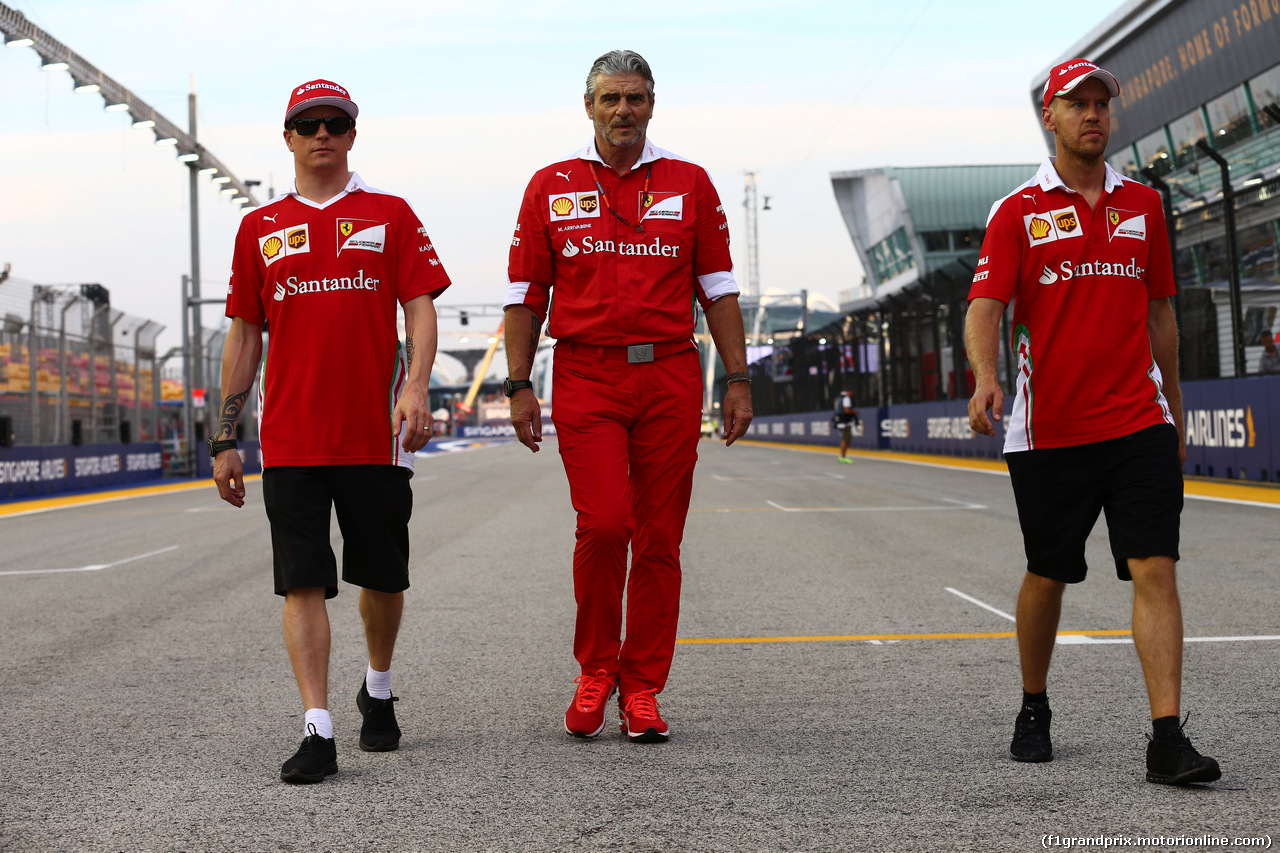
1066	222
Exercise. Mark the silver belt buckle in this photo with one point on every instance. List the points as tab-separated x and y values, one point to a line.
639	353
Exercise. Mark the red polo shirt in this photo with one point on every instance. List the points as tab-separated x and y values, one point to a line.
616	284
327	278
1080	280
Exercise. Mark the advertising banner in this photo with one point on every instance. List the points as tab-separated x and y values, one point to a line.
43	470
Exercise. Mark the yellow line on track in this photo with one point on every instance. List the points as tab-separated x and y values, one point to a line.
26	507
1265	493
864	637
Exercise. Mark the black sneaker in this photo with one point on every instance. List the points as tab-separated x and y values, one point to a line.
316	758
379	732
1031	733
1172	760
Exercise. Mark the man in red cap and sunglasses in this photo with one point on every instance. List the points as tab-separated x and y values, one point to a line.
344	406
1096	422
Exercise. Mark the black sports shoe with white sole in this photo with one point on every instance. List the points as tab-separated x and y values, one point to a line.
316	758
1031	733
1172	760
379	732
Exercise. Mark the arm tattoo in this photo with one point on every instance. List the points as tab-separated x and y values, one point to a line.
534	329
231	408
408	351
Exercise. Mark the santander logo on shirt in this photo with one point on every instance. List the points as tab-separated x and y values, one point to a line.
1068	270
594	245
293	285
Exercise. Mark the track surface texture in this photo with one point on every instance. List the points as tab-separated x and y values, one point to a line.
148	702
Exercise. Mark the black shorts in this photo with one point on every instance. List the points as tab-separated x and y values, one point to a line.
1135	479
373	504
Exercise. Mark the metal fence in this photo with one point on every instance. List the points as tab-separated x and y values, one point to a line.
74	370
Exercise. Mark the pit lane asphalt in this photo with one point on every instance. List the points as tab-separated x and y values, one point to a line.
148	702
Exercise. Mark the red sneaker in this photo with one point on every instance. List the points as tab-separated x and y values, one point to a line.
585	717
640	719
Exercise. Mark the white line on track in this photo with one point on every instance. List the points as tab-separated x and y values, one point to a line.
982	604
97	567
1262	504
1082	640
960	505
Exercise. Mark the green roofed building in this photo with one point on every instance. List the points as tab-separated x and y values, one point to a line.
907	222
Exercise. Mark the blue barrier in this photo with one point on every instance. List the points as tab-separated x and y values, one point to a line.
497	430
54	468
250	456
1232	429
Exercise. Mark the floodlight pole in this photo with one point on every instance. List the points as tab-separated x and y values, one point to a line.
193	168
1233	265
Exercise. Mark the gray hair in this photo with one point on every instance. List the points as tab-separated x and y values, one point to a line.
615	63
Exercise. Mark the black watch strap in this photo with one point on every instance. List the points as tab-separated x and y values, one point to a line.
511	386
216	446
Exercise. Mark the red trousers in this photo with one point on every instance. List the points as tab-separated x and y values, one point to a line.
628	436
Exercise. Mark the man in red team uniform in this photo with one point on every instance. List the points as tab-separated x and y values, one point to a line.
343	407
626	237
1096	423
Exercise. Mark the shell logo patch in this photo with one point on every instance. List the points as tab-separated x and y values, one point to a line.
574	206
283	243
1060	224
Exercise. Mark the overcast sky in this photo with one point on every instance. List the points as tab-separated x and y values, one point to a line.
460	103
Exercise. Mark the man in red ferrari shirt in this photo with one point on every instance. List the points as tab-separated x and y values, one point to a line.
1096	423
343	408
629	239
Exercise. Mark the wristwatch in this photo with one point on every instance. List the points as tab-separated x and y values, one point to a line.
216	446
511	386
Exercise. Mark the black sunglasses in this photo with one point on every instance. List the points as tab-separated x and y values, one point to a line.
336	125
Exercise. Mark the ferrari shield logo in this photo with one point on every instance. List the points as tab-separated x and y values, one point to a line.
345	228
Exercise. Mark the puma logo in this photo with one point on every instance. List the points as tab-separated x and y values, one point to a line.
271	219
1030	196
565	175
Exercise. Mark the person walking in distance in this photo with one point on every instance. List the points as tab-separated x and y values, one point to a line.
626	236
846	418
1082	253
344	406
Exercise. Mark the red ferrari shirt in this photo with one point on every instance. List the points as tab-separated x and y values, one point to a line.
326	279
1080	280
616	283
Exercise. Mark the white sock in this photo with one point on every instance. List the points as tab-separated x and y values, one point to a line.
318	717
378	683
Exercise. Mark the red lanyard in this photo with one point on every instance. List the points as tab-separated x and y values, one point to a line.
645	199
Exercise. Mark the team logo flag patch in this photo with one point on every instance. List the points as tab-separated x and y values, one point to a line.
1126	223
662	206
368	238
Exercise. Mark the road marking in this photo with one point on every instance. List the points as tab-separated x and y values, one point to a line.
31	507
961	505
97	567
982	604
1064	637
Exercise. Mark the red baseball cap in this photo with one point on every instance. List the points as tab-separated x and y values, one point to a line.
1064	78
320	93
